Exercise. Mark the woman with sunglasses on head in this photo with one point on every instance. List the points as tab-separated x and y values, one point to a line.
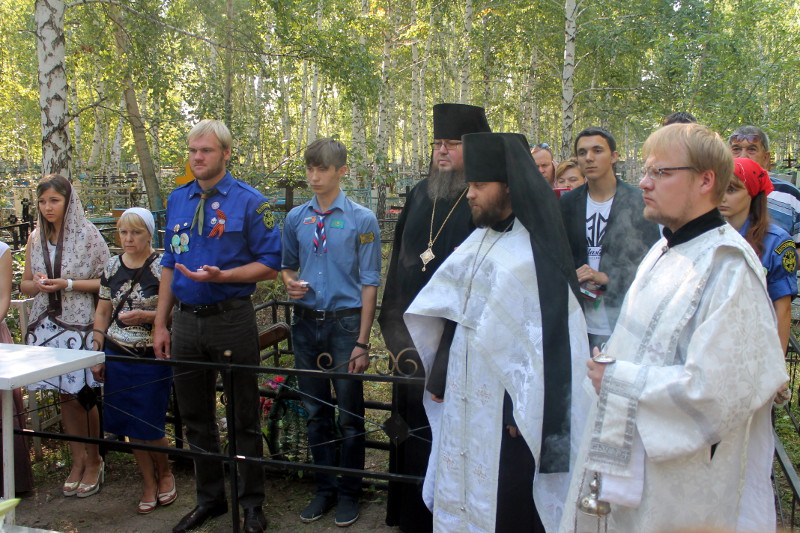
64	258
136	395
745	208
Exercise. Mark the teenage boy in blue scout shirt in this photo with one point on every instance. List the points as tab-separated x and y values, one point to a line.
334	244
220	240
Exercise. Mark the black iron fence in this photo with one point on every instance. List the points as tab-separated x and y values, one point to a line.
785	478
285	451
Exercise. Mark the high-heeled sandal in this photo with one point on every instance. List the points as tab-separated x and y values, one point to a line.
146	507
166	498
70	488
85	490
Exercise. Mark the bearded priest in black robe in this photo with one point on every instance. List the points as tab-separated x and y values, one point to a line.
435	220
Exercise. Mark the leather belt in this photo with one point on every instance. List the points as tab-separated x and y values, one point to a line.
304	312
212	309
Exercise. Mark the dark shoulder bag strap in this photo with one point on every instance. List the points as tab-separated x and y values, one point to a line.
134	281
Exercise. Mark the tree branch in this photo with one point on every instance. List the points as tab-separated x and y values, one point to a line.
76	114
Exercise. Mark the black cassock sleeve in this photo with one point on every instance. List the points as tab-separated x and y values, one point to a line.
437	381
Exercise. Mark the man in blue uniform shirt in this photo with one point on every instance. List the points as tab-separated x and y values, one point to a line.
220	240
333	244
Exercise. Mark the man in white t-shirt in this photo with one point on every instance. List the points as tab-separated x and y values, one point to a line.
607	231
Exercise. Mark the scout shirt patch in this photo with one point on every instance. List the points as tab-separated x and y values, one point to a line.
267	217
337	224
309	220
366	237
789	259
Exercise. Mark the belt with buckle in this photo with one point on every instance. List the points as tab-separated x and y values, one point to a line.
217	308
304	312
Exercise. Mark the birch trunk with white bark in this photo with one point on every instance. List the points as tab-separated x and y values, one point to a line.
50	51
358	170
283	102
567	77
76	132
301	127
465	77
97	135
385	102
116	147
313	116
423	104
530	102
416	116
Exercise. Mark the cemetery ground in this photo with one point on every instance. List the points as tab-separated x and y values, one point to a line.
113	509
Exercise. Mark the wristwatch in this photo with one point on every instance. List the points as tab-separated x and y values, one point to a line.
362	346
69	286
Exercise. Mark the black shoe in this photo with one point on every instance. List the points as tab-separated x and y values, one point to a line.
346	512
199	515
254	520
321	504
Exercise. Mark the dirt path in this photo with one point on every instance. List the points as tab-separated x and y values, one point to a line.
113	510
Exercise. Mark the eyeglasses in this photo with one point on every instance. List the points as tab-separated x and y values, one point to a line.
751	138
450	145
656	173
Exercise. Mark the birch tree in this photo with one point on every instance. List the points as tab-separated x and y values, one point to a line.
571	14
50	50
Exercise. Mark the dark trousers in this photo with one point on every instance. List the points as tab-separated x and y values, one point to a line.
516	510
337	337
205	339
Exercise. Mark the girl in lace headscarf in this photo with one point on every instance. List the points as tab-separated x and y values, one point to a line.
64	259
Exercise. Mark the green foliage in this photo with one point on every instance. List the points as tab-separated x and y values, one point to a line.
251	62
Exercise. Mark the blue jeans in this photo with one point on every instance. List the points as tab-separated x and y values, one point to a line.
337	338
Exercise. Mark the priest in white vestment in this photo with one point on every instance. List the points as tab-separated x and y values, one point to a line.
680	431
520	341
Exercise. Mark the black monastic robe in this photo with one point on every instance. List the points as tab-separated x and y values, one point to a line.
404	280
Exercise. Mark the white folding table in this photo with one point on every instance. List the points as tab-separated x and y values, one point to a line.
22	365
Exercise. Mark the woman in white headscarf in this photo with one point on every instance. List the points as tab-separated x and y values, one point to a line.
136	394
64	258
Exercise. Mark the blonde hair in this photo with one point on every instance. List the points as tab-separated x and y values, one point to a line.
217	127
566	165
705	150
133	221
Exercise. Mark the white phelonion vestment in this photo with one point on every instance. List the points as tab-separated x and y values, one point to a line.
497	347
681	430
